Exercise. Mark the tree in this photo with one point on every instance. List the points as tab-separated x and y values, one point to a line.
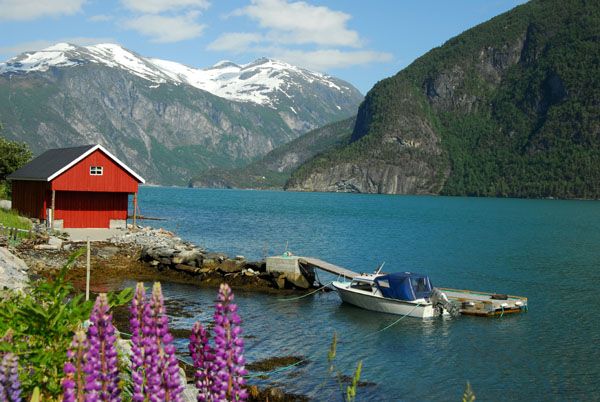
13	155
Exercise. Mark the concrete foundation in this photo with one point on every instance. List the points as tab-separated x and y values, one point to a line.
283	265
289	268
118	224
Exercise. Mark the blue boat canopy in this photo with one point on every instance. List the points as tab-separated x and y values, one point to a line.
404	285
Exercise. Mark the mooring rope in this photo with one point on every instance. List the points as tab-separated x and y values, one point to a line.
308	294
395	322
275	371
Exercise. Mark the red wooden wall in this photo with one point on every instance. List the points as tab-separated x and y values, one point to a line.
113	179
80	209
29	197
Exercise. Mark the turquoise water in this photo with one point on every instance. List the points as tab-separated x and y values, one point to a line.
546	250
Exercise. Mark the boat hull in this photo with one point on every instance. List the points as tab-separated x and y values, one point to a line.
382	304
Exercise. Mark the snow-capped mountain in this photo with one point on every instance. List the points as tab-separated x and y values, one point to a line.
166	120
263	81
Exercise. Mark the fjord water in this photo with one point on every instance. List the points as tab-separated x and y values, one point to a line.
546	250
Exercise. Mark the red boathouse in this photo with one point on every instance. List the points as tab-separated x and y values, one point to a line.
79	187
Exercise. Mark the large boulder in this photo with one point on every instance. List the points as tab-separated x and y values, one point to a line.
13	270
230	266
185	257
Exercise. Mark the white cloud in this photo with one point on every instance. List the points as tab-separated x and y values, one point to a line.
235	42
322	60
42	44
23	10
301	23
166	21
301	34
164	29
159	6
101	18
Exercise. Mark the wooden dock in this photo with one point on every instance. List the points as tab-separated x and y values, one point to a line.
325	266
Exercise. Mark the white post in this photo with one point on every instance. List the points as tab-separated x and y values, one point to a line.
87	274
53	208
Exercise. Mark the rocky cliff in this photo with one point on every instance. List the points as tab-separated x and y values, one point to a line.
507	108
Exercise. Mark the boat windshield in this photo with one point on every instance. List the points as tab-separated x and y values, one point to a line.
360	285
404	286
421	287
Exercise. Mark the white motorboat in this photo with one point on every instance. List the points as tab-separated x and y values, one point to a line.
403	293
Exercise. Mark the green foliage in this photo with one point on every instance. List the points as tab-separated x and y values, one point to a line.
13	155
540	137
351	389
42	323
516	112
14	220
468	396
350	394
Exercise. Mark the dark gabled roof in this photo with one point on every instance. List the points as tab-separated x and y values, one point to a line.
54	162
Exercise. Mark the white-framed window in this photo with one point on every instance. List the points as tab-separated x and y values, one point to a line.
95	170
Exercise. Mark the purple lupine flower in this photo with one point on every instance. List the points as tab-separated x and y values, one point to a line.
73	383
229	362
138	344
150	354
102	380
167	374
10	387
202	356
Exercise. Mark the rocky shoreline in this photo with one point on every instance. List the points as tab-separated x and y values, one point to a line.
153	255
148	255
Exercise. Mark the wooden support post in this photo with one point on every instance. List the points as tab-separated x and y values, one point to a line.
30	233
53	206
87	272
134	209
1	229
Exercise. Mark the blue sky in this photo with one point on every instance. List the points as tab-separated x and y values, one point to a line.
359	41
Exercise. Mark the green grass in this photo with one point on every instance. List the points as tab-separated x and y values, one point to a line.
14	220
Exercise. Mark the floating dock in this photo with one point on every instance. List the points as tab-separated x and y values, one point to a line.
485	304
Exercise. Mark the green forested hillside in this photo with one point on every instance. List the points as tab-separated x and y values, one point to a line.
510	108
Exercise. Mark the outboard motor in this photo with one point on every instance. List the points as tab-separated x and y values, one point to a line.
440	303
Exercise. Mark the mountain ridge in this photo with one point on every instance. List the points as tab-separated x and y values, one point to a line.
273	169
167	130
225	79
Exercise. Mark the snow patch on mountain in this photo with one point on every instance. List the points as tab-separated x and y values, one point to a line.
263	81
